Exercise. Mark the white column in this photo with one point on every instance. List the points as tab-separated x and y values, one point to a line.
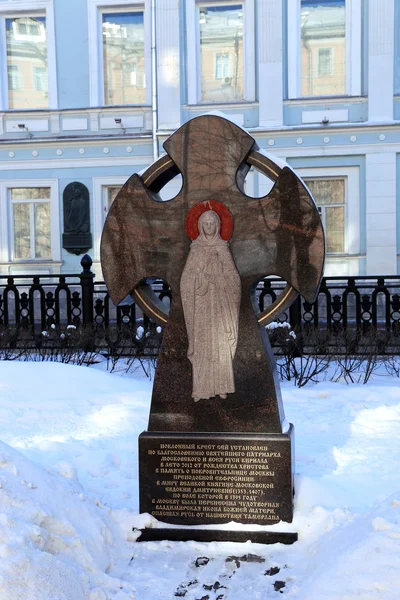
168	75
249	52
353	47
380	60
381	213
192	51
270	68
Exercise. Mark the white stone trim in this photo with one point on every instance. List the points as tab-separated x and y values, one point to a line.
5	220
249	50
250	184
168	64
51	55
352	204
31	125
288	151
353	48
40	8
55	123
381	209
293	50
127	122
334	151
193	49
74	123
317	116
270	63
45	267
95	8
322	100
380	60
3	65
192	45
76	163
99	208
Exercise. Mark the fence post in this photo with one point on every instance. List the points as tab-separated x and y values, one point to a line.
295	323
87	285
295	314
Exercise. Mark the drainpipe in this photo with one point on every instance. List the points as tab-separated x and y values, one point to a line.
154	80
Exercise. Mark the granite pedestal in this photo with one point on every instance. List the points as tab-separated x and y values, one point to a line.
215	478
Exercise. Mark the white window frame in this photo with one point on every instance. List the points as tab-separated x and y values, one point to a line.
193	50
28	8
96	8
351	175
6	224
100	207
353	50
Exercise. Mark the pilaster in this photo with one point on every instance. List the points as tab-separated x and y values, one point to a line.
167	47
381	213
380	60
270	67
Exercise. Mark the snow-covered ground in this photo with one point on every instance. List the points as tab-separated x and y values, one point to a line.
69	496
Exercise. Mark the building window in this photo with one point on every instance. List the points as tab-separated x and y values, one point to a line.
324	62
324	48
124	57
221	53
41	81
22	27
31	223
109	194
323	28
14	78
26	43
330	197
222	66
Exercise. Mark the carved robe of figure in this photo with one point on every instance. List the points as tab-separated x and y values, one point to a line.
210	290
77	219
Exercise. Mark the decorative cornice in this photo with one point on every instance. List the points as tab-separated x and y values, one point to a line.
93	140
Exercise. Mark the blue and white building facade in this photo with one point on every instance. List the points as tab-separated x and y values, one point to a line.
90	89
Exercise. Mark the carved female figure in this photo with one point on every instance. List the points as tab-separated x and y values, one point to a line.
210	289
76	210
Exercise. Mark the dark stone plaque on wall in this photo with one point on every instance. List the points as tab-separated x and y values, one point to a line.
216	449
77	238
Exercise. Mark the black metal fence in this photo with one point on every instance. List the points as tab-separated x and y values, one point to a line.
34	303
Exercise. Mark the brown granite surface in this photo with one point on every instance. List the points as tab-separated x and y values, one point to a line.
204	478
176	534
280	234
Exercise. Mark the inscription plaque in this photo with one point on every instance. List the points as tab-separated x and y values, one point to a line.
216	478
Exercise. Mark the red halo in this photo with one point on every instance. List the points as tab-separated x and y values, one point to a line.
222	211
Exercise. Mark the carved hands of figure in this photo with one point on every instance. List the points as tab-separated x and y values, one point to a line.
279	234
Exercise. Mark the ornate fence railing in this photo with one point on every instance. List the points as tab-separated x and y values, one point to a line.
361	302
33	303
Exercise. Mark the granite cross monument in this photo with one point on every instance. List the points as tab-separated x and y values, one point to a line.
215	449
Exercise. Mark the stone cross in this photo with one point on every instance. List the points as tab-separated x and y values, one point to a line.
279	234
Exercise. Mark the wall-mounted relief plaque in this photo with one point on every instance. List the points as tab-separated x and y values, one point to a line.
77	238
